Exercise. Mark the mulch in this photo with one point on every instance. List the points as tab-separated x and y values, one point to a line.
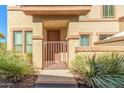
26	82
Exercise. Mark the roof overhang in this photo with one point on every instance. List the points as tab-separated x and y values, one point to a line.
56	9
55	24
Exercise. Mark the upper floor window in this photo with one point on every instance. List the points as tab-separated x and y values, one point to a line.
23	41
102	37
84	41
108	11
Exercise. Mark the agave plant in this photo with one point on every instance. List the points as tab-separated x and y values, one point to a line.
100	71
14	65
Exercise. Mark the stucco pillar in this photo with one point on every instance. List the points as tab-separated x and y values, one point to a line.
37	54
37	45
72	44
94	38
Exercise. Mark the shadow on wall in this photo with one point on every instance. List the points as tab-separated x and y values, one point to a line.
70	18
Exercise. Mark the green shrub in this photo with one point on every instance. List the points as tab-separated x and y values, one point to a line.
29	56
14	65
105	70
3	45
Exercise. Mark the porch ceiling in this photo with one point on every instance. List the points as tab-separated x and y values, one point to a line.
56	10
55	24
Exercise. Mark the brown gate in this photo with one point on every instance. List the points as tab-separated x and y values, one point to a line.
55	55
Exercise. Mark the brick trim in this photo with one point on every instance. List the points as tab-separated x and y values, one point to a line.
99	20
21	28
72	37
104	33
37	37
100	49
85	33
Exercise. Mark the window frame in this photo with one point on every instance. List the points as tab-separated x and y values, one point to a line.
90	38
14	40
108	16
25	41
81	44
105	35
23	30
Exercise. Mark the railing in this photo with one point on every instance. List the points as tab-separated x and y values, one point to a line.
55	54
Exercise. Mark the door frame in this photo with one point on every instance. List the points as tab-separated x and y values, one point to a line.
54	30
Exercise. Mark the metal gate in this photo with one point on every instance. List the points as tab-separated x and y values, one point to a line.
55	55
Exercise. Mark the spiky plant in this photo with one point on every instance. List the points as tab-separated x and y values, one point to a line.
29	56
100	71
14	65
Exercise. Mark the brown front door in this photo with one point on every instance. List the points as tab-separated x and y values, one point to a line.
53	35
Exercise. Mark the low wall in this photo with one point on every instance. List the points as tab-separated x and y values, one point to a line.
99	49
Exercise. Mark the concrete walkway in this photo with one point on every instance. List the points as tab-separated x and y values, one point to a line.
56	79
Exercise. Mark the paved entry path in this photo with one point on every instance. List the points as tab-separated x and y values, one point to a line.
56	79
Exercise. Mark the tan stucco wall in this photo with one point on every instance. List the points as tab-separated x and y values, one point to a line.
17	19
119	10
71	18
72	44
37	45
37	53
93	13
63	33
76	27
96	11
37	29
121	26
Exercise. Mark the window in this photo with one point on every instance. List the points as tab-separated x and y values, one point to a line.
18	41
19	38
108	11
28	42
82	17
84	40
101	37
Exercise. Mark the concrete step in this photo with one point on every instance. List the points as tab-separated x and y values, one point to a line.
56	79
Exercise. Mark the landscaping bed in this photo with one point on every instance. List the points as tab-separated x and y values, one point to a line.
16	70
99	71
26	82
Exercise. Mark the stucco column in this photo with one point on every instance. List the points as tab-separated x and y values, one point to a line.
72	44
37	45
94	38
37	53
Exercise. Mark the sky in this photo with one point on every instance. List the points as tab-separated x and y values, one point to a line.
3	21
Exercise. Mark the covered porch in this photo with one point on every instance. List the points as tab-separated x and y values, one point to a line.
53	42
55	46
